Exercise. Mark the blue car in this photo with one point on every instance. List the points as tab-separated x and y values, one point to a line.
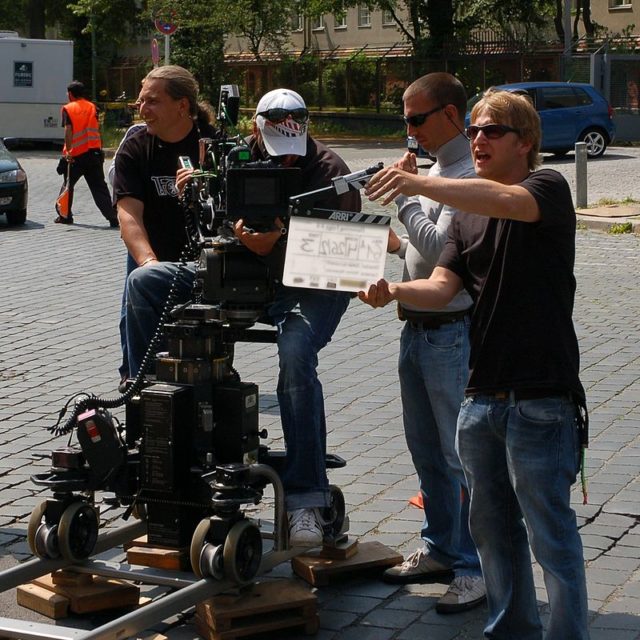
570	112
13	188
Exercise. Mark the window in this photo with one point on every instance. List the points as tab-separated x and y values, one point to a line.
296	22
340	21
364	16
317	23
562	98
387	18
614	4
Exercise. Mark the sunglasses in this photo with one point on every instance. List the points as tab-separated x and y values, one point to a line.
419	118
491	131
278	115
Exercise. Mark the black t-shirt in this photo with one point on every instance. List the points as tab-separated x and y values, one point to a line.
520	276
146	170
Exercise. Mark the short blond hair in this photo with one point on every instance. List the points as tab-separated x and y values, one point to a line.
515	110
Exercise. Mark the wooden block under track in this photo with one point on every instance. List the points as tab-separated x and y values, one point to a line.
159	558
340	550
68	578
102	594
43	601
264	607
318	570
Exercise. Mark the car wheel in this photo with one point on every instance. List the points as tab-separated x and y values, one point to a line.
596	142
17	217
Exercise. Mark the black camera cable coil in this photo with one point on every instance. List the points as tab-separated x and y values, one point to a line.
91	401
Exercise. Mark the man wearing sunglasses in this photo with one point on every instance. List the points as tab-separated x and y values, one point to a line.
523	419
305	318
433	364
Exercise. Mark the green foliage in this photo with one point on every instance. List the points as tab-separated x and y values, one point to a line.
14	16
619	228
359	74
605	202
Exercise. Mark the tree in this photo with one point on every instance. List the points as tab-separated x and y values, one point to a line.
583	7
198	43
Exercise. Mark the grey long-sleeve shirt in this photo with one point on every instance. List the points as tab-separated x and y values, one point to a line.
427	221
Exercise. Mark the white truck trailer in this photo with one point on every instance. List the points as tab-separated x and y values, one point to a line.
34	75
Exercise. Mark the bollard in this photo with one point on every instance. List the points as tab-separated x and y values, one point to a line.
581	175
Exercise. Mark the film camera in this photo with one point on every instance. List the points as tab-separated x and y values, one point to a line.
190	458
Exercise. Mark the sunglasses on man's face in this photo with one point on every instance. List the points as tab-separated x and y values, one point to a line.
278	115
419	119
491	131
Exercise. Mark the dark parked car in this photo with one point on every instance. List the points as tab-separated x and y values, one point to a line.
13	187
570	112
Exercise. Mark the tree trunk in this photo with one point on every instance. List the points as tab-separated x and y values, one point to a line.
586	18
439	14
36	19
557	21
576	20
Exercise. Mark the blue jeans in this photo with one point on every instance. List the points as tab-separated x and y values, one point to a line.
147	291
306	321
434	369
123	369
520	459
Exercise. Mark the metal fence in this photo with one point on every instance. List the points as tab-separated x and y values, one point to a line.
369	84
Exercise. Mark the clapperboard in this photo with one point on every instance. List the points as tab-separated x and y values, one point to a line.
336	250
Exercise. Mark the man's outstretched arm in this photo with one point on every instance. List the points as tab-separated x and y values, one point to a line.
432	293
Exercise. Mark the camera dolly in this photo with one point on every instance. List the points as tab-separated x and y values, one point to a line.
186	466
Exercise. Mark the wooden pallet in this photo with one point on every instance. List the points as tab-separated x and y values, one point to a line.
317	569
264	607
57	594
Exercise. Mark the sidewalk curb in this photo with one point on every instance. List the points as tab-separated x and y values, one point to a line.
605	224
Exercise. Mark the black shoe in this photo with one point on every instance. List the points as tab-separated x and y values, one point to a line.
61	220
113	223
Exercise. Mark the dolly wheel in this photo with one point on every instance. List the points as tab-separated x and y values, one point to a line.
139	511
335	514
34	522
42	538
78	531
242	552
206	558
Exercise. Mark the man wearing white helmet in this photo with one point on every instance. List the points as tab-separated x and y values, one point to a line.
305	318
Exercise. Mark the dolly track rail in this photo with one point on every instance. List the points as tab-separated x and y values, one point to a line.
140	619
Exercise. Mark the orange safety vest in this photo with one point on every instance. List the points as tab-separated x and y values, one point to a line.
84	123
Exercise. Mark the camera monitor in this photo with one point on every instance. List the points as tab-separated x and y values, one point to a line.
260	193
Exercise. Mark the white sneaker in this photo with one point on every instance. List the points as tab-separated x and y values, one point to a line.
305	529
464	593
418	567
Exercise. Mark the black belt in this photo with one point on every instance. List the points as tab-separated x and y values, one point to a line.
436	320
522	394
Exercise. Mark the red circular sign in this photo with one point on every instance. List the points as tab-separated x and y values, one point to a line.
166	28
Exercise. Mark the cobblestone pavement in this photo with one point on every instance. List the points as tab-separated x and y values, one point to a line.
61	290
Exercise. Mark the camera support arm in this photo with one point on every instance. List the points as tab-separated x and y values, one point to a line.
304	202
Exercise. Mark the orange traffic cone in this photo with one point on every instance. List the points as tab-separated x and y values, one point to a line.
416	501
64	199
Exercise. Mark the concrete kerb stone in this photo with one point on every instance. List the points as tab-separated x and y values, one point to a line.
606	217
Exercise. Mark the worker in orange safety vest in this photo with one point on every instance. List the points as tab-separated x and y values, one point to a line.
82	156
